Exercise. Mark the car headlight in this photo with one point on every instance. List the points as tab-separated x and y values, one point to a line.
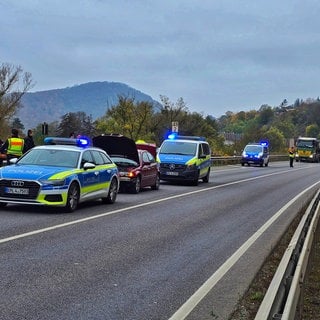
191	167
54	182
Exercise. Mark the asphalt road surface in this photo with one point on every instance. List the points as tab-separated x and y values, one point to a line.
182	252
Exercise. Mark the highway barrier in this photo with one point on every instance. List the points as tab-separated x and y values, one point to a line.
220	161
283	297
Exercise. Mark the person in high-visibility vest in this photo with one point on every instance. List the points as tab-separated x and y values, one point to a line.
291	156
13	146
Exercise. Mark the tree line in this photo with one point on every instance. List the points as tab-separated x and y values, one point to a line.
141	121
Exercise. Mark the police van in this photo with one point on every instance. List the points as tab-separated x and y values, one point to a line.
256	153
184	158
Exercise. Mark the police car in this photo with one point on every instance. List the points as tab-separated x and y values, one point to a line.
256	153
63	172
184	158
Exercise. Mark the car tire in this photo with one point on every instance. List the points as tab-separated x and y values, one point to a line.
136	186
112	193
3	204
156	186
195	182
207	177
72	197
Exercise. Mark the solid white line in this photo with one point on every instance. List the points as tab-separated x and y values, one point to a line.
193	301
63	225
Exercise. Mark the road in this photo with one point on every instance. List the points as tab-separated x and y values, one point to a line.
182	252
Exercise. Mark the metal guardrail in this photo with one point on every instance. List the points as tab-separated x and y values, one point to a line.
284	293
218	161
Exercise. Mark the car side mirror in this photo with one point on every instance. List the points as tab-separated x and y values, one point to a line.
89	165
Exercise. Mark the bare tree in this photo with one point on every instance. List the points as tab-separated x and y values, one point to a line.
14	83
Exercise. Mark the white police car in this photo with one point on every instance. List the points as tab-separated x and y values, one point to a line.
63	173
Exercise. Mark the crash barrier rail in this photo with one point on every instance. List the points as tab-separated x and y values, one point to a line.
283	299
218	161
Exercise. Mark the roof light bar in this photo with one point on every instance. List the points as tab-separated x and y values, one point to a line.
174	136
80	142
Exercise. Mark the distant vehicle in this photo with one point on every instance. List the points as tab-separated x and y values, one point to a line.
136	162
184	158
255	153
62	173
307	149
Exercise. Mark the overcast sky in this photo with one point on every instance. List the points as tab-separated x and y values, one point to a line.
218	55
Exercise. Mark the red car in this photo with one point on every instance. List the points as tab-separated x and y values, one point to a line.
137	167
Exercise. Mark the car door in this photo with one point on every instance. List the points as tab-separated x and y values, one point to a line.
102	163
90	178
204	153
150	168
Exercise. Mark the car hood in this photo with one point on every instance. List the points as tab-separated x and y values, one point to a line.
29	172
152	148
117	145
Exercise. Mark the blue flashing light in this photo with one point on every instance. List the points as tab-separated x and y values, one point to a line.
172	136
264	143
83	142
79	142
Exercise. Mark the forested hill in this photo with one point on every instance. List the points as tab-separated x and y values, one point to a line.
93	98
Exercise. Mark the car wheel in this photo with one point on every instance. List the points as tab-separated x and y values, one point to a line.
136	186
206	178
195	182
156	185
72	197
112	193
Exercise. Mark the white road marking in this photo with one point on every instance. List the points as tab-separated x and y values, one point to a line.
193	301
63	225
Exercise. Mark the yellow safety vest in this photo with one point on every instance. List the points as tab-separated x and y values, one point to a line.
15	146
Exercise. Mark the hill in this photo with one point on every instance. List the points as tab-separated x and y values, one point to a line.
93	98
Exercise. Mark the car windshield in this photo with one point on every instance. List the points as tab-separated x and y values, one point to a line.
179	147
124	162
255	149
51	157
305	143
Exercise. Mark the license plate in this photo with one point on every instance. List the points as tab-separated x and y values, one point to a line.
172	173
22	191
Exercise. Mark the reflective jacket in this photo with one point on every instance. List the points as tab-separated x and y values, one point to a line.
15	146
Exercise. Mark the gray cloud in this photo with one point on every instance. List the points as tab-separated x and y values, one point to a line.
224	55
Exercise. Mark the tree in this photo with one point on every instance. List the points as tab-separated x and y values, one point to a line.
77	122
312	131
276	139
14	83
16	123
128	118
170	112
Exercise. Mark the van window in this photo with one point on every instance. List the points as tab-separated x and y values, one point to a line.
252	148
179	147
205	149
